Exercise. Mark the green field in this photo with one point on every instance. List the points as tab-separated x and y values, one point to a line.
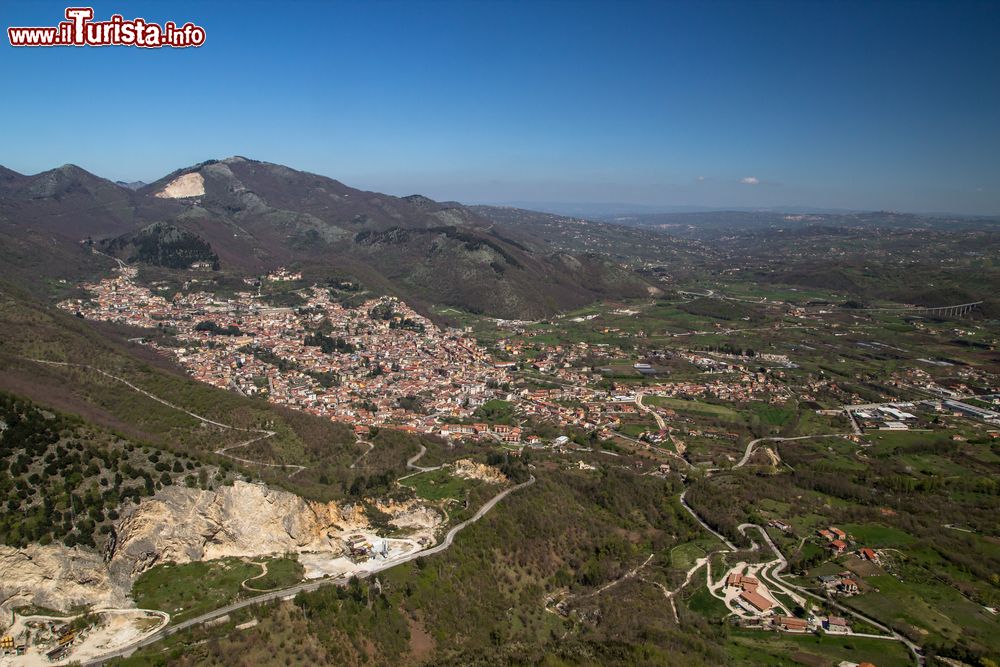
772	415
683	556
438	485
281	573
748	647
496	412
704	603
184	591
695	407
876	535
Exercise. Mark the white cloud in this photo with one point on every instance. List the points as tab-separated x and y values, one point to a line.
701	178
750	180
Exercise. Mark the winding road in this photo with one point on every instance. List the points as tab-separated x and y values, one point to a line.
798	593
411	464
263	573
263	434
292	591
371	446
753	443
701	522
776	567
660	422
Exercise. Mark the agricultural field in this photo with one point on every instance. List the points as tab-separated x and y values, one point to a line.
750	648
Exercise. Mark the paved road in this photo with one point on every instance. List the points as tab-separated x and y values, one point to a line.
753	443
782	583
411	463
292	591
645	408
371	446
704	525
782	562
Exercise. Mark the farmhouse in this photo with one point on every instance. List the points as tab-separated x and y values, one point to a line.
836	625
866	553
846	585
791	624
756	600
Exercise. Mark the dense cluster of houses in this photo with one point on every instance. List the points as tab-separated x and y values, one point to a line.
380	359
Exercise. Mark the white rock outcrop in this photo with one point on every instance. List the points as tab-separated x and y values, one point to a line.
472	470
191	184
181	525
57	577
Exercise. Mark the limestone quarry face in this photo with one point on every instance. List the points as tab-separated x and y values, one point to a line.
411	515
181	525
186	185
57	577
472	470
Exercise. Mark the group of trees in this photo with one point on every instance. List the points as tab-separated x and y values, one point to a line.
383	311
215	330
66	482
328	344
166	245
729	348
269	357
361	614
406	323
719	309
515	468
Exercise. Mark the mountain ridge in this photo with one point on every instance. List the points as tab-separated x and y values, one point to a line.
256	216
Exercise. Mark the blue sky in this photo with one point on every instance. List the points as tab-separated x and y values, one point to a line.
891	105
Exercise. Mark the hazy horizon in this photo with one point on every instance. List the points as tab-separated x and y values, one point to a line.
582	207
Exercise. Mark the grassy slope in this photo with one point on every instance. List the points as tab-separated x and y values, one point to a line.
483	600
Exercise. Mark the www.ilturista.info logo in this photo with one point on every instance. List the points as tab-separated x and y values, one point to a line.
79	29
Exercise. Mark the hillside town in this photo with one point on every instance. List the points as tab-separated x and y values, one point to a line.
379	363
382	363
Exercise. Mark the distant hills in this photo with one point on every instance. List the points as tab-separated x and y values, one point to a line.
709	222
627	211
246	217
251	217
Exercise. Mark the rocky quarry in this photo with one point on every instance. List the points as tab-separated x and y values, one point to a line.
56	577
182	525
484	473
